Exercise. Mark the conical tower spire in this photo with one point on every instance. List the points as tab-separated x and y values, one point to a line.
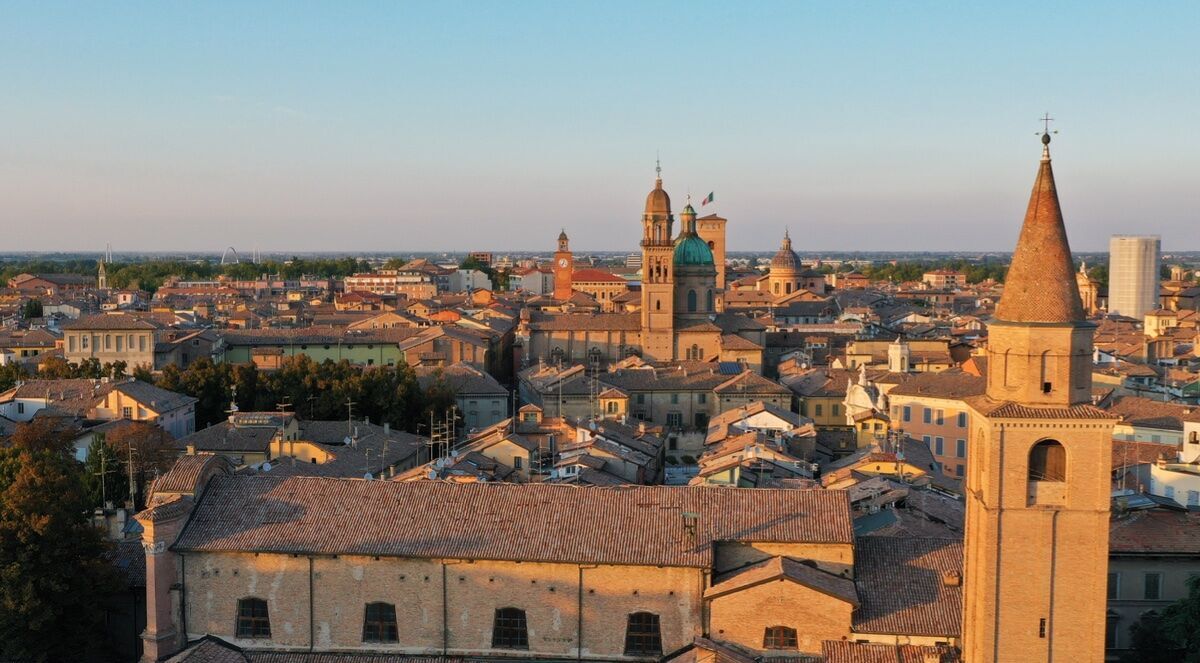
1041	285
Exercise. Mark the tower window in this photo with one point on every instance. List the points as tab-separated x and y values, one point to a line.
643	636
709	301
691	301
1048	461
779	637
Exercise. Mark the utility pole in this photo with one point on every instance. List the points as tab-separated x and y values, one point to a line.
349	417
132	495
103	474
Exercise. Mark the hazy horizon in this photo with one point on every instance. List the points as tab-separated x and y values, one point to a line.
455	127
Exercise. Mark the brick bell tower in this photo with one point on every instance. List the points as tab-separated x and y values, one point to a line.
1037	487
564	267
658	275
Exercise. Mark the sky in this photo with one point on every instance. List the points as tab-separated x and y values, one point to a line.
401	126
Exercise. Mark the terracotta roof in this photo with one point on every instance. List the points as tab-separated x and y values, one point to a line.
844	651
1040	285
129	559
629	525
595	276
785	567
899	582
184	474
1155	532
1126	453
586	321
1010	410
1139	411
121	321
953	384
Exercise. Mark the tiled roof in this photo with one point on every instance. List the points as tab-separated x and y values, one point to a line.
1126	453
129	559
952	384
844	651
462	378
158	399
900	585
1010	410
1149	413
184	474
595	276
1155	532
115	321
1041	285
629	322
785	567
551	523
224	436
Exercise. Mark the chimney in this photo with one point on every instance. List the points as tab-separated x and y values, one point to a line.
951	579
387	428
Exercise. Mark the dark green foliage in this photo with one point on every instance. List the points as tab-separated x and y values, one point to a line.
902	271
32	309
104	475
318	391
1170	636
54	584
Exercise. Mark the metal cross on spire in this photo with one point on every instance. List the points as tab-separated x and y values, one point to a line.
657	165
1046	120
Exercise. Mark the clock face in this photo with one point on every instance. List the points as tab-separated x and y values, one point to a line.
562	262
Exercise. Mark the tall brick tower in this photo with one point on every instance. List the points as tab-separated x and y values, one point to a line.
1038	463
564	267
658	275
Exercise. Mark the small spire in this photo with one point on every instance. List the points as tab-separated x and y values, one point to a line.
657	166
1046	120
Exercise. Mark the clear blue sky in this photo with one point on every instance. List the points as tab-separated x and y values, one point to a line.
490	125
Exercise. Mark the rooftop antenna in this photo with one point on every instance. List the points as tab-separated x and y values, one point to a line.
349	417
102	474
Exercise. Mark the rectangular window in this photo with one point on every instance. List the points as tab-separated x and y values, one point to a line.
941	417
1114	586
379	623
83	342
962	419
927	416
509	629
927	440
20	408
674	399
126	413
141	343
641	399
643	637
1193	498
517	462
71	343
675	419
837	409
1153	586
702	398
907	413
938	441
817	410
108	341
120	343
253	621
961	448
959	470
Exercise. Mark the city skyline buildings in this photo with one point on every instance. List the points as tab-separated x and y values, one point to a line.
1134	263
318	129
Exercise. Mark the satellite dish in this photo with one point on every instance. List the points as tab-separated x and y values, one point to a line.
346	440
368	476
266	467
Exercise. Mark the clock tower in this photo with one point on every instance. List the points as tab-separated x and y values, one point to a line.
564	265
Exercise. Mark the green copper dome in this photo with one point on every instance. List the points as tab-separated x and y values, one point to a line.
691	250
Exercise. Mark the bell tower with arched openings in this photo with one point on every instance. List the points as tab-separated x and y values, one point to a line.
658	275
1038	463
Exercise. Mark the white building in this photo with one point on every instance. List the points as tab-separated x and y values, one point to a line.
1133	270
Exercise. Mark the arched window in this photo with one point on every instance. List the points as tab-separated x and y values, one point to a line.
612	407
779	637
509	629
691	301
253	621
643	637
379	623
712	244
709	301
658	305
775	287
1048	461
789	288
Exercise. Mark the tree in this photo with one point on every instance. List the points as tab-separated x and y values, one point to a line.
145	448
54	583
1172	636
32	309
104	476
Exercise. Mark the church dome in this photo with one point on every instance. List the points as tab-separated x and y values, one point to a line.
658	202
785	259
691	250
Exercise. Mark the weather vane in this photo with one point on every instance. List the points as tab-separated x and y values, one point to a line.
657	165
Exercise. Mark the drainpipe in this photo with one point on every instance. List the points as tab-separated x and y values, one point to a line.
311	624
579	615
183	597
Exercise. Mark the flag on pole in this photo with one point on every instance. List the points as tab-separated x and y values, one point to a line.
707	199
